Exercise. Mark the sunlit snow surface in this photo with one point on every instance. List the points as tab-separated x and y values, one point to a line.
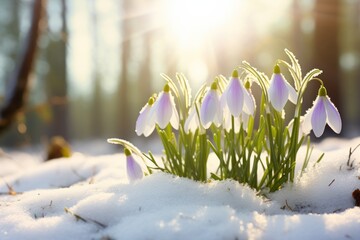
103	205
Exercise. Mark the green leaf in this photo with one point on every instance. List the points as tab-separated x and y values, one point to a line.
215	177
294	62
311	74
126	144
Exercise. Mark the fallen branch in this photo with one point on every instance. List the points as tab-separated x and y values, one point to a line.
86	220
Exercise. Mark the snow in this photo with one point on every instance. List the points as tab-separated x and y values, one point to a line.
100	203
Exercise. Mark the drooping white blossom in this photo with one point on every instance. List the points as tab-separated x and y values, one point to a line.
321	113
280	91
237	101
233	96
164	110
250	104
210	111
144	124
133	169
192	122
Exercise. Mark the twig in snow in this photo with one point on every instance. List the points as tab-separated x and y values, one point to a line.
287	205
10	191
91	181
348	163
331	182
86	220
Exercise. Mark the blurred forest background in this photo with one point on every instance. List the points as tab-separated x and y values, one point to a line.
98	61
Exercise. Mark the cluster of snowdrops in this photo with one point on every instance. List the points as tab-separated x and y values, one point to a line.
252	141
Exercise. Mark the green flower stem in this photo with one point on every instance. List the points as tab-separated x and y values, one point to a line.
273	161
203	156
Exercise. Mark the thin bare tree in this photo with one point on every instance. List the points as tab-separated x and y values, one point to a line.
15	97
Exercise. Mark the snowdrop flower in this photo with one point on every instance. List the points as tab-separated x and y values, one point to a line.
280	91
134	171
164	110
192	122
250	103
210	111
144	124
323	111
236	97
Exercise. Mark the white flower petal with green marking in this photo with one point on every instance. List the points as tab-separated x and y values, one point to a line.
278	92
174	120
333	115
250	104
323	112
318	117
233	96
164	110
210	109
144	124
133	169
306	123
293	95
192	122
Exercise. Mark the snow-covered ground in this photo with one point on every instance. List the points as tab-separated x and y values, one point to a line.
89	197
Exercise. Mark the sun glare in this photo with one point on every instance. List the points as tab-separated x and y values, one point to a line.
192	20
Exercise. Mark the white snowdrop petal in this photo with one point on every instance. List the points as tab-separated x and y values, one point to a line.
223	103
333	115
134	171
278	92
235	97
218	119
163	110
190	121
149	129
209	108
293	95
141	121
318	118
144	125
174	120
249	103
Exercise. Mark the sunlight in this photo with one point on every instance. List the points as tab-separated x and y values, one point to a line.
202	30
192	21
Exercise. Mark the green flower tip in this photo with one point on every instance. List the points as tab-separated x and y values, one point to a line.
235	74
322	91
151	101
277	69
127	152
247	84
166	88
214	85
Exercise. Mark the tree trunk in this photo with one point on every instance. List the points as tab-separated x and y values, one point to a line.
97	99
123	115
57	81
15	97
